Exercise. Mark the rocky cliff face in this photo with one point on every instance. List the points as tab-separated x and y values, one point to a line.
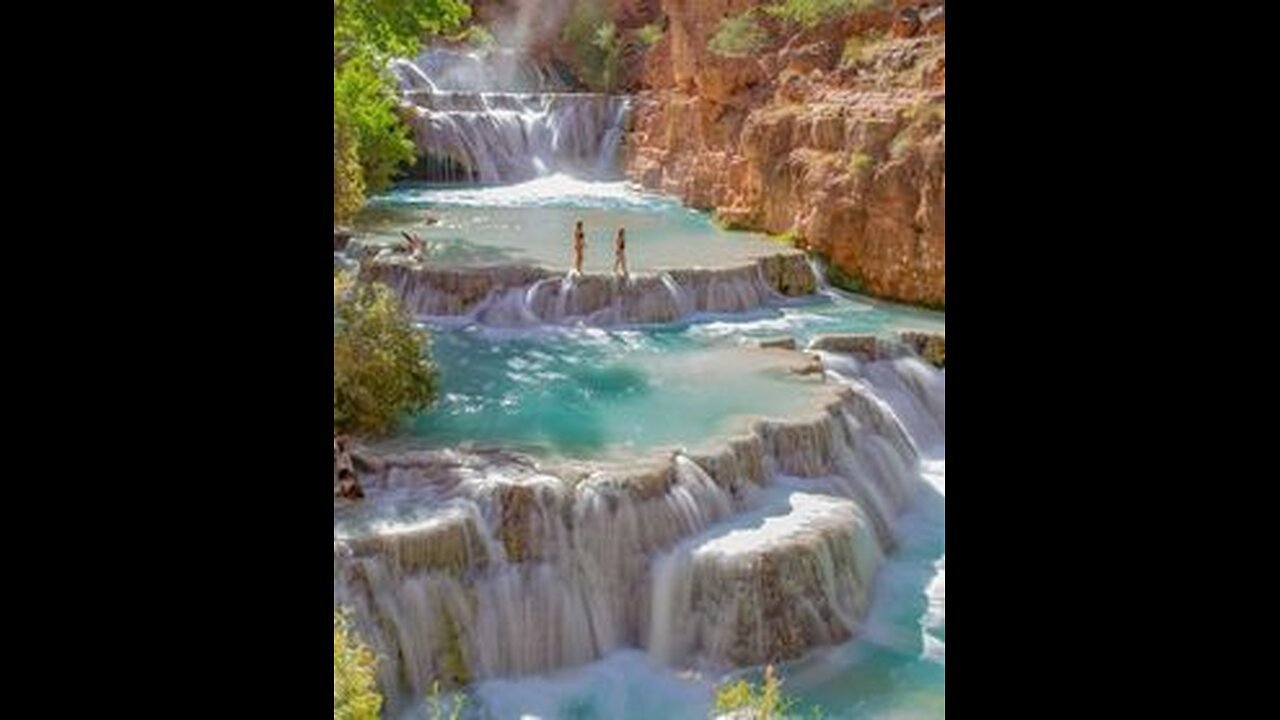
836	133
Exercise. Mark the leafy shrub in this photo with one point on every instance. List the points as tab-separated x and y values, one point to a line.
860	163
808	13
649	35
381	369
594	45
355	690
738	36
765	702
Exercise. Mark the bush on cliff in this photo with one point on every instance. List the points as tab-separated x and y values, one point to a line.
381	367
594	44
738	36
808	13
649	35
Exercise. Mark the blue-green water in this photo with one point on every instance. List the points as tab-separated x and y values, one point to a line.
590	393
594	392
895	668
587	392
533	224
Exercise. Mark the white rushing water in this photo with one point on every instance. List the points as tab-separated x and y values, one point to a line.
873	677
761	551
497	119
626	589
514	296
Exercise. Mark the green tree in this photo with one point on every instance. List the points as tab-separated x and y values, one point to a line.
355	689
366	34
595	45
381	367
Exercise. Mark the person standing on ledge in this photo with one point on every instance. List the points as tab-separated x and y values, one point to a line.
579	247
620	253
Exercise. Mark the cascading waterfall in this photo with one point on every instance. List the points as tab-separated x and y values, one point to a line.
510	137
496	70
757	551
500	119
466	565
512	296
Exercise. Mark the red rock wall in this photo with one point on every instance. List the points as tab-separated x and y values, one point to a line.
851	157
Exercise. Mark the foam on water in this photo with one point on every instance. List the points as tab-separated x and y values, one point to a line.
553	191
626	685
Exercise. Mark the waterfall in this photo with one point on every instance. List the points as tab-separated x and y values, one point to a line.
497	118
497	70
467	566
508	296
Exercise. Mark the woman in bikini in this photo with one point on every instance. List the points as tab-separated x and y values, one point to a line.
579	246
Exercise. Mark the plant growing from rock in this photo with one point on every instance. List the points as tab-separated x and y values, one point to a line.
355	690
808	13
594	45
765	702
649	35
738	36
860	164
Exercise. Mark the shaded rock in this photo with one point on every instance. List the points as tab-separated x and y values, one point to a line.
341	237
930	346
867	346
812	367
783	343
907	24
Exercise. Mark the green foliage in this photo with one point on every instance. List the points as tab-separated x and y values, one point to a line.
765	702
852	53
355	690
610	45
454	664
649	35
857	47
729	224
348	178
738	36
919	120
595	45
735	696
478	36
391	27
364	108
808	13
370	141
789	238
381	370
436	706
860	163
849	282
924	111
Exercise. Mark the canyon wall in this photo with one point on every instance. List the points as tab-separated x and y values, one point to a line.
836	134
